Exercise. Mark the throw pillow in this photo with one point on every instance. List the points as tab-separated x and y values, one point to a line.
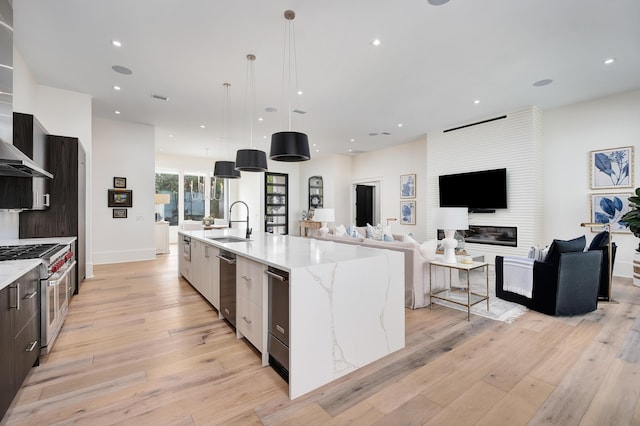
537	253
351	230
599	241
375	232
409	238
428	249
561	246
340	231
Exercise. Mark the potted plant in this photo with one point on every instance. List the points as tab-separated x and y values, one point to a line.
632	219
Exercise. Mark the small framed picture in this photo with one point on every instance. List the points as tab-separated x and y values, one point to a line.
609	208
120	198
408	212
408	186
119	213
612	168
119	182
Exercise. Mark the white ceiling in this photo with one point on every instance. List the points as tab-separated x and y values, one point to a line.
434	61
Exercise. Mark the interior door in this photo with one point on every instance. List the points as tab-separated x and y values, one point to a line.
364	205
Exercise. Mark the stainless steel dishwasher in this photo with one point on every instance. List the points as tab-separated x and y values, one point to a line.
278	344
228	286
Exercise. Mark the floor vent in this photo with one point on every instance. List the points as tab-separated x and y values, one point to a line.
475	124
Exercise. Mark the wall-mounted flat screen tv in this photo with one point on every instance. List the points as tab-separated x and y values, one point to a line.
482	191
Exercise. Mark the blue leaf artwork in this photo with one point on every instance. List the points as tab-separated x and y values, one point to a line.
407	186
609	209
611	168
408	212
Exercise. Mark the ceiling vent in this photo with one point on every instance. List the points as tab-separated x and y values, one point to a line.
475	124
160	97
299	111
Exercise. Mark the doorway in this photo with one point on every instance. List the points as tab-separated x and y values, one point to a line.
366	202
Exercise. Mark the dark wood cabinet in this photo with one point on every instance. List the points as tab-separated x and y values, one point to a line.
29	136
66	214
19	334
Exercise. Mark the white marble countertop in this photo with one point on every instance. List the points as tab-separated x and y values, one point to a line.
11	270
284	251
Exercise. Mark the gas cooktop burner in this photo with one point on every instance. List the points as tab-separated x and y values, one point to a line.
29	251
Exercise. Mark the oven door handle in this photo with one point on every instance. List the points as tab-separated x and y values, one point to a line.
53	283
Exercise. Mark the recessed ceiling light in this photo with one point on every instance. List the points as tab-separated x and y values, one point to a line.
299	92
541	83
259	118
116	112
477	101
315	144
122	70
400	124
116	43
609	61
116	87
317	150
350	150
264	137
352	140
170	135
202	126
376	42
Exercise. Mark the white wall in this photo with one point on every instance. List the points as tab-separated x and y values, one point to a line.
335	171
126	150
513	143
386	165
570	133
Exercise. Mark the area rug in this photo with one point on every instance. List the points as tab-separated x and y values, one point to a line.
499	310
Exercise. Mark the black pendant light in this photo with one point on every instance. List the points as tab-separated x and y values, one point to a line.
251	160
225	169
289	146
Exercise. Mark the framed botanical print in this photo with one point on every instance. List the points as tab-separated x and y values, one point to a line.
612	168
408	186
609	208
408	212
119	213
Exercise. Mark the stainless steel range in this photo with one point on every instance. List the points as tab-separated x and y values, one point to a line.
56	284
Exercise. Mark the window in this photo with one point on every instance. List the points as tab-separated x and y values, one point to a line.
167	183
194	196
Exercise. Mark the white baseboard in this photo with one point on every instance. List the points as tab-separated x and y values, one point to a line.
123	256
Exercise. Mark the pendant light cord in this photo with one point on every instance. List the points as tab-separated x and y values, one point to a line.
250	94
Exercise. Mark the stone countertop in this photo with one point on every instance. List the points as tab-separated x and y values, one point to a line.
285	251
11	270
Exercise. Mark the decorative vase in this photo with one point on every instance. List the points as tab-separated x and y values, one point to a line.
636	268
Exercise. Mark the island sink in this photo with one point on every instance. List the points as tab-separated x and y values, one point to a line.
228	239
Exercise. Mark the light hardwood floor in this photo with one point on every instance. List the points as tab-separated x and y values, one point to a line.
141	347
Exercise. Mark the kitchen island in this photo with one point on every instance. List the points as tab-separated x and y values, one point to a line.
346	302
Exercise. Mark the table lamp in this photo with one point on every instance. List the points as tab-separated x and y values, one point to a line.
451	219
324	216
161	199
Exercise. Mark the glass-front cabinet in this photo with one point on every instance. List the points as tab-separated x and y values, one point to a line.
315	192
276	203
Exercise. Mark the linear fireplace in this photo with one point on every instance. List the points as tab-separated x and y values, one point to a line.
494	235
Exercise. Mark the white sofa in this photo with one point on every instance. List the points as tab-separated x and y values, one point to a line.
416	266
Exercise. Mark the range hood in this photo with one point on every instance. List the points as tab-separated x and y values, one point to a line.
14	162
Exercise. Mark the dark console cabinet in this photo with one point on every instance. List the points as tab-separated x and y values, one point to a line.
66	214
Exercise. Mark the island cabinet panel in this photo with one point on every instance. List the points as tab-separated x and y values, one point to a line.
251	288
211	275
19	334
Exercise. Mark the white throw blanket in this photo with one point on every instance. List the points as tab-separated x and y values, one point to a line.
518	275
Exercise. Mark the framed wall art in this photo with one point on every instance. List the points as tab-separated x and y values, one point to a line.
408	186
119	182
408	212
612	168
120	198
609	208
119	213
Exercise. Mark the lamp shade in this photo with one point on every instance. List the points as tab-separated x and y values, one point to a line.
162	199
251	160
456	218
226	170
324	215
290	147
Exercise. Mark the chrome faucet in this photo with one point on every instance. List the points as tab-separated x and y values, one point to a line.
233	221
